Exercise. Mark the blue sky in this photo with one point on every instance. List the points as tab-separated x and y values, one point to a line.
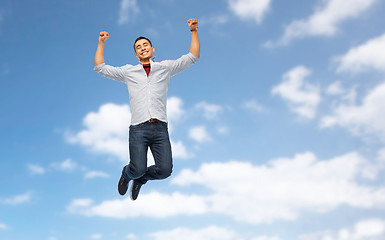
277	131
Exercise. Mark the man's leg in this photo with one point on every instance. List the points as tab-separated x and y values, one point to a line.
161	150
138	145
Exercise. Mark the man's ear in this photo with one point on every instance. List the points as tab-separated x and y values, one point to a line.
153	49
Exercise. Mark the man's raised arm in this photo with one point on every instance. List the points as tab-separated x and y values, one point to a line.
195	45
99	55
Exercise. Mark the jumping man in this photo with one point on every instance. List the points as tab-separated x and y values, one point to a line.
147	85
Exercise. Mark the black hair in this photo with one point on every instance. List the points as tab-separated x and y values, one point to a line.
140	38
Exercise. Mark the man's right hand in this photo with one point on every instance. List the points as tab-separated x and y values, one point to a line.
103	36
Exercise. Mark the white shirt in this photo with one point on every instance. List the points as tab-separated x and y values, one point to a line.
148	95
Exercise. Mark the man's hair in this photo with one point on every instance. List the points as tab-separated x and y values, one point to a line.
140	38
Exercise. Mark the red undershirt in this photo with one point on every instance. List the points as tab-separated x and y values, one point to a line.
147	68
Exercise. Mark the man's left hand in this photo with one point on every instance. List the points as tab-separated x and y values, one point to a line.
193	24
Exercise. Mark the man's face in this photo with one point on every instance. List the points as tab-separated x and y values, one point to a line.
143	49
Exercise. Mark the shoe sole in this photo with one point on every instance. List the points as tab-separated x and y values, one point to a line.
131	188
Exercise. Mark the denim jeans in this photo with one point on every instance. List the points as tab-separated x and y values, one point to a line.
153	135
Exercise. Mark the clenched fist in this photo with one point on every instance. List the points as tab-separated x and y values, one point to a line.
103	36
193	24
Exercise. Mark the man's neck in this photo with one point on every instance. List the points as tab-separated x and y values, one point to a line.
145	61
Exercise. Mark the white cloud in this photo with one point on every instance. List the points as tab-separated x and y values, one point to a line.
175	109
368	56
381	155
266	238
79	203
214	24
16	200
223	130
96	174
199	134
36	169
131	236
324	21
128	10
250	9
155	205
105	131
208	233
96	236
282	189
66	165
285	187
3	226
335	88
351	95
367	118
253	105
369	229
150	158
179	150
210	111
214	20
302	97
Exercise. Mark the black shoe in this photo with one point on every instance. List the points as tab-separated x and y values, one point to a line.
134	191
123	184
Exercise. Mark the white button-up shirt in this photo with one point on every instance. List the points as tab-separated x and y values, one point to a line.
148	94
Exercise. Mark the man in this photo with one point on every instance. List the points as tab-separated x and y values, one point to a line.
147	85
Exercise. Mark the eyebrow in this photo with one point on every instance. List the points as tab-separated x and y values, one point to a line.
144	44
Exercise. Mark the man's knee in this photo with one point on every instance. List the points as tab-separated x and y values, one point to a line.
137	172
164	172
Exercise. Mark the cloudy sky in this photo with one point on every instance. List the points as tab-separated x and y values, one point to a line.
278	131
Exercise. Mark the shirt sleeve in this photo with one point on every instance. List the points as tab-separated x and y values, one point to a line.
115	73
180	64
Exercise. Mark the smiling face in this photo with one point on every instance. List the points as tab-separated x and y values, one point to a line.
144	50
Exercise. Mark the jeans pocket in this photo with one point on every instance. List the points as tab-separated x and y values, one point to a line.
133	127
164	125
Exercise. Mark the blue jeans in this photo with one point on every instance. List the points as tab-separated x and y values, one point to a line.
153	135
